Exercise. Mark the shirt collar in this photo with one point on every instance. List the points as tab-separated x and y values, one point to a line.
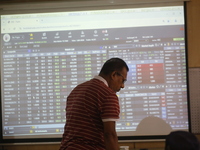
101	79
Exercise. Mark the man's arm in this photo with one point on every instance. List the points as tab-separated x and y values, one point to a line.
110	136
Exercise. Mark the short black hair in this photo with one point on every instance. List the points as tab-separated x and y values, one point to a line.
181	140
113	64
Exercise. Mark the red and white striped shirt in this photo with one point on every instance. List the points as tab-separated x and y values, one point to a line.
88	106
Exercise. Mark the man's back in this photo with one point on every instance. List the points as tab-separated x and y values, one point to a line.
87	105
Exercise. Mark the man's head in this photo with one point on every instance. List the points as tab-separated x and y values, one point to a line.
181	140
114	71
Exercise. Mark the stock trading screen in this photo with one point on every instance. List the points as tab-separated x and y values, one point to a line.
40	69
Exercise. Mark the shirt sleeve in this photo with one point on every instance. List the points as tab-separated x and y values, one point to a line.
110	109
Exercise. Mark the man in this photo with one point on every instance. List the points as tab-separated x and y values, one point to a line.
93	108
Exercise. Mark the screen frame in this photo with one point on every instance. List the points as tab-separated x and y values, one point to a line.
120	138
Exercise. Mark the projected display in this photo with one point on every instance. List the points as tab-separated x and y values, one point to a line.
44	56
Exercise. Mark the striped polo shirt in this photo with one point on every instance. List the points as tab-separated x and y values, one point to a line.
88	106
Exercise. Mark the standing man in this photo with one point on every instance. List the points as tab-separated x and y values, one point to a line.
93	108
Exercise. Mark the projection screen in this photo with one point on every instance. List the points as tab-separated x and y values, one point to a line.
45	55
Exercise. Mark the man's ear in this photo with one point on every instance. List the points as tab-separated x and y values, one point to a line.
113	74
